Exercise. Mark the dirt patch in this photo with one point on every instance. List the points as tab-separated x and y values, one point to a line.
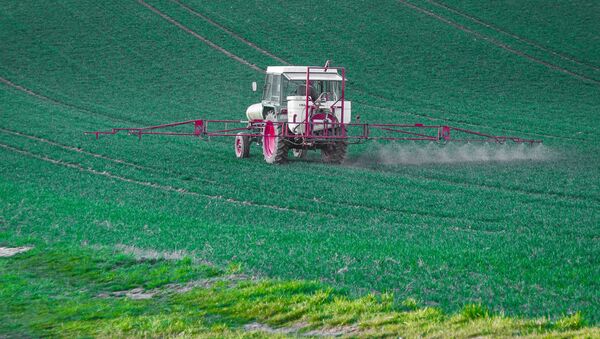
258	327
136	294
140	253
10	251
334	331
231	281
140	293
294	329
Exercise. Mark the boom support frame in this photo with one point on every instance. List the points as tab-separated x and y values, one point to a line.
350	132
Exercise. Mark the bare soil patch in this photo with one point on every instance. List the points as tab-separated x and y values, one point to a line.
10	251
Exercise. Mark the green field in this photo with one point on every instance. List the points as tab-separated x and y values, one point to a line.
520	236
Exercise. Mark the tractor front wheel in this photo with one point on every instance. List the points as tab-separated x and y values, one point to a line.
242	145
275	148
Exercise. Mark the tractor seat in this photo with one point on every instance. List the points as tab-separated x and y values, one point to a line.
301	91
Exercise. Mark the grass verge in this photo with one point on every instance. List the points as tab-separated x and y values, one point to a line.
58	290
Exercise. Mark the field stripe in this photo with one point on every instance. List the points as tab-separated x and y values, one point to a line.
508	190
343	204
335	203
101	156
230	32
42	97
150	184
74	149
498	43
512	35
201	38
60	103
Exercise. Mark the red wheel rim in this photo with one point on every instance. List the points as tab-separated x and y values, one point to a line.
238	146
269	139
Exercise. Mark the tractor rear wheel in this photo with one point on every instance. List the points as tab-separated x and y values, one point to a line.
334	152
242	145
275	148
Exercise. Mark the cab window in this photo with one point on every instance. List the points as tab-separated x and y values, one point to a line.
276	89
272	89
267	88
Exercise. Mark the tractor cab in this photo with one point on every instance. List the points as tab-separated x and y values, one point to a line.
294	94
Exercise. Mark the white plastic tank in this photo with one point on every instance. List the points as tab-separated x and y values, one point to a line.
297	112
254	112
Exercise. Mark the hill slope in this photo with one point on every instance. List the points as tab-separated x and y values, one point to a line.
520	236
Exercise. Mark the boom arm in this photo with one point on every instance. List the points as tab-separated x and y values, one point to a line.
352	131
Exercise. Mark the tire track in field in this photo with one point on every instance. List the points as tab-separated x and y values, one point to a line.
489	187
200	37
83	16
344	204
42	97
498	43
61	103
508	190
230	32
72	148
166	188
101	156
512	35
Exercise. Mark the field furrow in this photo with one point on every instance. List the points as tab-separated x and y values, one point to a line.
514	36
500	44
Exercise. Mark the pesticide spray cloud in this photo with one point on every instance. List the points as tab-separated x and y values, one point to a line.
418	154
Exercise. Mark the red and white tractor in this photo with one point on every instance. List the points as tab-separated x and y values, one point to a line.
302	108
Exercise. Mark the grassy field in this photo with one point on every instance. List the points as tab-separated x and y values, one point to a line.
520	237
65	291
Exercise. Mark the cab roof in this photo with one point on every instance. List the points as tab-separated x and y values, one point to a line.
299	73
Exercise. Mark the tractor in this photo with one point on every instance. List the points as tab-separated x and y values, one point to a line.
303	108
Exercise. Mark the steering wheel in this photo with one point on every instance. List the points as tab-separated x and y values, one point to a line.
326	94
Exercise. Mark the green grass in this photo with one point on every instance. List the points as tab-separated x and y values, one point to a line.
519	237
65	291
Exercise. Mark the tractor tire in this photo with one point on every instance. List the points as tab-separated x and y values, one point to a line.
275	148
242	145
335	152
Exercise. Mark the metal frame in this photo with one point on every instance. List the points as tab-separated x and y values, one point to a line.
307	130
350	131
